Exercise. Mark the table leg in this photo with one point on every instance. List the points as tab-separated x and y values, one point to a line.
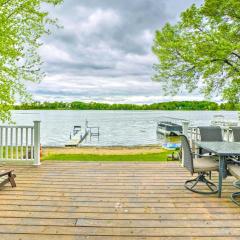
220	175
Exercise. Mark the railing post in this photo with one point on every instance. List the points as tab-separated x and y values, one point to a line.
185	126
37	143
238	118
228	134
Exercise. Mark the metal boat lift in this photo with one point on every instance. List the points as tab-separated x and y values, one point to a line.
93	131
78	135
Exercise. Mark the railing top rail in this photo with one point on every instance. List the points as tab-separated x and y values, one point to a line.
222	127
16	126
193	127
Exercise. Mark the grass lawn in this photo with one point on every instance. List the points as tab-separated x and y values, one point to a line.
148	157
14	151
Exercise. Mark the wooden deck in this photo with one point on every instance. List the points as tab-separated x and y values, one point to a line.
73	200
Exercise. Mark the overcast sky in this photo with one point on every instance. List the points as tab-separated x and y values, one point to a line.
103	52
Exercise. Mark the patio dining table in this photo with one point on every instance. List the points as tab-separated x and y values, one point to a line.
222	150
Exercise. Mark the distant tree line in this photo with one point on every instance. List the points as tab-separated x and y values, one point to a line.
175	105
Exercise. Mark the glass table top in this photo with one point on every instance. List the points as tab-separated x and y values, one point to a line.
221	148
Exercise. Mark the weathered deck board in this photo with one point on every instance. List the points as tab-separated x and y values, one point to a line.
124	201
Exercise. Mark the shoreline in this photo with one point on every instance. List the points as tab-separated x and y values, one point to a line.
137	110
104	150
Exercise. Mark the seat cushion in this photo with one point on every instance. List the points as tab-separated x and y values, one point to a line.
234	169
205	164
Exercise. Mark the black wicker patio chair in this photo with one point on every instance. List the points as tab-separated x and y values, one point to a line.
210	134
234	170
236	134
202	166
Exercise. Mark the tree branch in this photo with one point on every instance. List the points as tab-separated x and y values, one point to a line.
236	55
230	64
17	8
190	69
227	62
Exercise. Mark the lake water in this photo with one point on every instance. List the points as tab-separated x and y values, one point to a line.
124	128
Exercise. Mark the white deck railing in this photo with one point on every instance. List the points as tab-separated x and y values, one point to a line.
20	144
194	134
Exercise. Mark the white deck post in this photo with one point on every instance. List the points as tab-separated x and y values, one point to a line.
37	143
238	118
228	134
185	126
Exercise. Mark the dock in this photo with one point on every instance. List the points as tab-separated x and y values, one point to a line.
77	138
78	135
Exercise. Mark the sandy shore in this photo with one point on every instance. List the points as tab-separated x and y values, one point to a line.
103	150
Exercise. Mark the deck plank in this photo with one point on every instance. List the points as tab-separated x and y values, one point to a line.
91	200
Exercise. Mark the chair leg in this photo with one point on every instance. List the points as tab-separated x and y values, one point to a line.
11	177
191	184
210	175
236	195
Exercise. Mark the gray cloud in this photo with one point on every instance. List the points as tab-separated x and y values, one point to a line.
104	50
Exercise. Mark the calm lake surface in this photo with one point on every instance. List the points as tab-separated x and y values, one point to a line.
117	128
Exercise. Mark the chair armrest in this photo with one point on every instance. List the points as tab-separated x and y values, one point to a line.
6	172
234	160
197	154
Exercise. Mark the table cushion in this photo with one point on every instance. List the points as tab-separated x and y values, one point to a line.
205	164
234	169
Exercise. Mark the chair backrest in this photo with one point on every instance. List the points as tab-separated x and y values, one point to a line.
211	134
187	154
236	134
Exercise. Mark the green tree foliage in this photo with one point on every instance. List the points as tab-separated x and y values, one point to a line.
22	23
184	105
202	51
